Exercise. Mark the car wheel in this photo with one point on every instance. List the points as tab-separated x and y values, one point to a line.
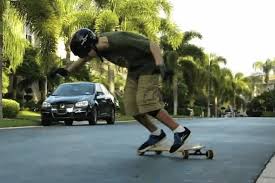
46	121
93	116
68	122
111	119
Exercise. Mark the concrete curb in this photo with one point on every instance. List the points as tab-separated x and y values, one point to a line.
20	127
268	173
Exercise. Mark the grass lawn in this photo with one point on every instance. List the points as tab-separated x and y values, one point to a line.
24	118
28	118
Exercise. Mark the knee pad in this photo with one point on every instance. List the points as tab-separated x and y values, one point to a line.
153	113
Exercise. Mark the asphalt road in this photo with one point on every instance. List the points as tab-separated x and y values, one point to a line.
107	153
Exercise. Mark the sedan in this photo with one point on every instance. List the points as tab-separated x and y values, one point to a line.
79	101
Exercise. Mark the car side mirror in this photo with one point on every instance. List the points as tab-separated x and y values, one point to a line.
100	95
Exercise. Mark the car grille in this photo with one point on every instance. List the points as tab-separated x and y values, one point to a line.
61	108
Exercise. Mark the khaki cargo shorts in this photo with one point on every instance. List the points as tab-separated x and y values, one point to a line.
142	95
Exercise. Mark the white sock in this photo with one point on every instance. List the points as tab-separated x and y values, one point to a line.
157	132
179	129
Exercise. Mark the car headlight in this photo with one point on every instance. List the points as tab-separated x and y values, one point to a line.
82	104
46	104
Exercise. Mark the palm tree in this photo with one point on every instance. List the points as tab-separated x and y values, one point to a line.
43	16
212	62
14	42
106	21
255	85
14	38
265	67
193	75
2	9
222	85
74	14
171	57
240	87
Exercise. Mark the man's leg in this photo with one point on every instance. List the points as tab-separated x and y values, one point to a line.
146	122
163	116
130	104
149	101
157	135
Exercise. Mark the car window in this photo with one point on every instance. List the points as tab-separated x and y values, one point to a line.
74	89
105	91
98	88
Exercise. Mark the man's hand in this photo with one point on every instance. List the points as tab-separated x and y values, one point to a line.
165	73
59	72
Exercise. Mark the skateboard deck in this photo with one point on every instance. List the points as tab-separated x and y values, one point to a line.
185	150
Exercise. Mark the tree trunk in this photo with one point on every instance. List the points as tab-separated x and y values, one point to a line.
216	106
44	88
14	86
2	7
1	69
68	52
234	104
208	102
209	91
175	94
111	78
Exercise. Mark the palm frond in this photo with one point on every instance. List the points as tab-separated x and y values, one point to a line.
189	35
13	37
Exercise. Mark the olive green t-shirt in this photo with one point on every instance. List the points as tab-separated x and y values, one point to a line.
129	50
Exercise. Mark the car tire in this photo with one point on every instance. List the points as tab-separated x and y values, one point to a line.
45	121
93	116
112	118
68	122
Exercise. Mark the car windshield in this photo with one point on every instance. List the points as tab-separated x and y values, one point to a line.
74	89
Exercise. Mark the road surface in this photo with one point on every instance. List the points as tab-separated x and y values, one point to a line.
107	153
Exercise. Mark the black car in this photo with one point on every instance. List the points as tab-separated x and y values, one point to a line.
79	101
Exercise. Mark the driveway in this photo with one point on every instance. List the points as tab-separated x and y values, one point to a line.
107	153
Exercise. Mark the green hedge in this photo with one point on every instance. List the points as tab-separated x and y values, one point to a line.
268	114
10	108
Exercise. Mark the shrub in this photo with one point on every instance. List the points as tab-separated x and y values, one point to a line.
268	114
10	108
254	113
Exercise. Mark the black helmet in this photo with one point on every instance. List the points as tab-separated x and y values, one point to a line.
82	42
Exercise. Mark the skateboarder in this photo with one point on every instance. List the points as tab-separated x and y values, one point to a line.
145	64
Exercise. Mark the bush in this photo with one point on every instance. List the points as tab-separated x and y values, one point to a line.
254	113
10	108
268	114
32	106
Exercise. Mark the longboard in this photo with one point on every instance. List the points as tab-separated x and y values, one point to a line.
186	150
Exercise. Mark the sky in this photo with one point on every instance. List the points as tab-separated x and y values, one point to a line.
242	31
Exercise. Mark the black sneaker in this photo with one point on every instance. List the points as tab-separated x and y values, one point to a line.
179	139
153	140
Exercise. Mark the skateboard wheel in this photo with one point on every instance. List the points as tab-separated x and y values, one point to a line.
209	154
158	152
185	154
140	153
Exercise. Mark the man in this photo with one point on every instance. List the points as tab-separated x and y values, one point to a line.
145	64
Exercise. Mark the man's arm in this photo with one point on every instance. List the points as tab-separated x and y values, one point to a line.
80	62
77	64
160	66
156	52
